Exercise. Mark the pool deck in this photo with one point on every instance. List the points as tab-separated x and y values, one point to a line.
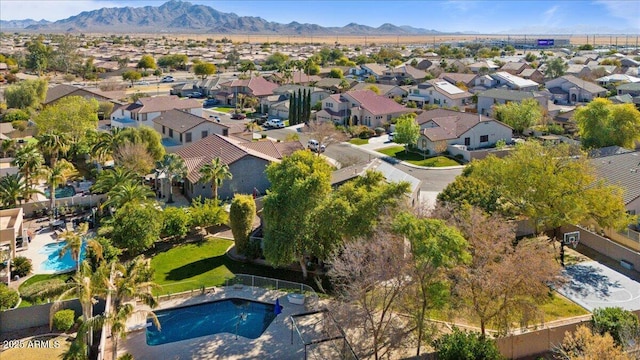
275	342
42	238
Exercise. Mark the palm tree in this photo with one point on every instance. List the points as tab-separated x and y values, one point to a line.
106	143
216	172
29	160
252	126
74	241
174	168
127	192
108	179
8	147
56	175
12	190
54	144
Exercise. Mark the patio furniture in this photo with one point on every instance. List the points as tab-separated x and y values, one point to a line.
296	298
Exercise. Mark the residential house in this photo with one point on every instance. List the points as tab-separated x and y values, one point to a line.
616	78
373	69
532	74
515	68
361	107
486	65
61	91
569	89
402	75
439	92
257	87
458	78
143	111
180	127
389	172
441	128
514	82
489	98
247	162
632	89
278	104
390	91
297	77
622	170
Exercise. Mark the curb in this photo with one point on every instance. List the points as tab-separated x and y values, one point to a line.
381	155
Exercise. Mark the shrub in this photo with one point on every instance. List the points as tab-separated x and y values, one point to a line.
176	222
622	325
461	345
21	266
379	131
366	133
35	292
501	144
15	115
556	129
19	125
8	297
63	320
241	214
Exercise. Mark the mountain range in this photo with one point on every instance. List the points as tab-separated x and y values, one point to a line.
178	16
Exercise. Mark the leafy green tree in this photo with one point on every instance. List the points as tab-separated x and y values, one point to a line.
38	57
174	61
462	345
467	190
8	297
336	73
66	56
520	116
435	248
530	57
204	69
556	67
216	172
145	135
207	213
275	61
622	325
53	144
241	215
8	147
602	123
298	185
15	115
131	75
136	226
246	66
147	62
26	94
407	130
176	222
548	185
72	115
174	168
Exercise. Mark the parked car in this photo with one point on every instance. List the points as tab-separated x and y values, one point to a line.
315	146
215	117
275	123
195	95
238	116
209	102
144	83
391	135
167	79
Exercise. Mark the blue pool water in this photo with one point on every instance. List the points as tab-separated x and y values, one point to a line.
245	318
62	192
54	262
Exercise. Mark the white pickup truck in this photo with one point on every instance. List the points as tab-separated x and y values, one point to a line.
274	123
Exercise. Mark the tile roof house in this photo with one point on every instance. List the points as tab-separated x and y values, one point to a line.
180	127
278	104
515	68
247	162
514	82
360	107
441	128
455	78
61	91
258	87
374	69
402	75
617	78
532	74
569	89
622	170
144	110
487	99
390	91
439	92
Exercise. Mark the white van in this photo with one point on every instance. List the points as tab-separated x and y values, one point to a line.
315	146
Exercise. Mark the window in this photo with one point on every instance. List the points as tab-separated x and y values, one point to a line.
467	141
416	91
328	105
163	130
170	133
204	134
181	137
188	137
484	138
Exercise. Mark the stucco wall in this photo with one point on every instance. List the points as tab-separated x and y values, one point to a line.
38	315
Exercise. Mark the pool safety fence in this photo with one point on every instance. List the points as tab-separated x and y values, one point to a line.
322	336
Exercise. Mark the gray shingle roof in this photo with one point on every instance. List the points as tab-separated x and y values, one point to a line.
506	94
622	170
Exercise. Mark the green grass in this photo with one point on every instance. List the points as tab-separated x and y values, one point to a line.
399	153
358	141
38	278
224	109
193	265
560	307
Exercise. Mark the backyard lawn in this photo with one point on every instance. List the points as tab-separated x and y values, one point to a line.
193	265
358	141
35	279
399	153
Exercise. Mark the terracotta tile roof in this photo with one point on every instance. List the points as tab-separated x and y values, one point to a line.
450	124
384	88
203	151
622	170
289	147
375	104
162	103
259	86
458	77
59	91
181	121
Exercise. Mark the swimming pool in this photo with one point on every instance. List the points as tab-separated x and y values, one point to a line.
61	192
54	263
240	317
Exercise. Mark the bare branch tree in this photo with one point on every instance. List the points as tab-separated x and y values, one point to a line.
325	132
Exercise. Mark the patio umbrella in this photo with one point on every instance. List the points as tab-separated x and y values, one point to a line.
278	308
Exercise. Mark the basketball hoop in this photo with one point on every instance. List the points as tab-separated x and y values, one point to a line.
571	238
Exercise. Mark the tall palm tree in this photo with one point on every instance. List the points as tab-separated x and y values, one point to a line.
252	126
54	144
174	168
74	241
8	147
56	175
108	179
29	160
104	144
216	172
127	192
12	190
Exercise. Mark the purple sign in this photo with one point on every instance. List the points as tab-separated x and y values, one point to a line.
545	42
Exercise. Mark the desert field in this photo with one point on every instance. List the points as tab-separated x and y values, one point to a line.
620	40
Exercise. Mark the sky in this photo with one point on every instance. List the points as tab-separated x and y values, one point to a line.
576	16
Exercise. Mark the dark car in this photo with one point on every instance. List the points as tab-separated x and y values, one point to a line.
209	102
238	116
